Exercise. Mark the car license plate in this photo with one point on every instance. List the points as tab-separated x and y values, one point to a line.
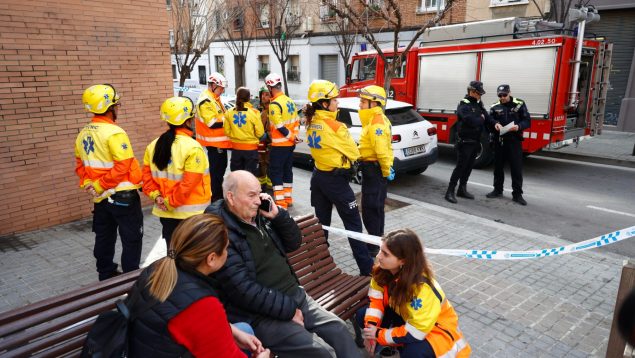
414	150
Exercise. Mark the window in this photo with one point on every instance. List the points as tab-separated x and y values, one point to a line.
375	7
202	75
508	2
263	66
220	64
363	69
326	12
168	3
293	14
401	71
173	72
293	68
264	16
171	38
431	5
239	21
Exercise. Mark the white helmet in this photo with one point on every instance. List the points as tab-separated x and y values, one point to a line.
273	79
217	79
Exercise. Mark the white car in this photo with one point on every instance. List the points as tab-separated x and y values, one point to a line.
414	139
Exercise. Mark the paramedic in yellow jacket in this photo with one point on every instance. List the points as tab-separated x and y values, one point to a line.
408	310
375	148
284	127
210	132
333	151
109	172
244	128
175	168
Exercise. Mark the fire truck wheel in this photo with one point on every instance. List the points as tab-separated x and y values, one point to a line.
485	154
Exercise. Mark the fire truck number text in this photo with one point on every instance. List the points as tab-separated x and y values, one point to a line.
540	42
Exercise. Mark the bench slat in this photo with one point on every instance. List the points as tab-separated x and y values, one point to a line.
50	341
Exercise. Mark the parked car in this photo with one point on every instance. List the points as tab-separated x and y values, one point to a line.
414	139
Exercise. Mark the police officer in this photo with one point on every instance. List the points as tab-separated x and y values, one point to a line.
376	159
210	132
284	127
333	151
472	117
510	118
109	172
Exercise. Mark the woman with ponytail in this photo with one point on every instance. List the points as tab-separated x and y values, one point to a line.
244	128
176	168
182	315
408	311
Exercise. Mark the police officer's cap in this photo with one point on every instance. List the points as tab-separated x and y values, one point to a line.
477	86
502	89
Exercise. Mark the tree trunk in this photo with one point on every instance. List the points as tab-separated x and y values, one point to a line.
183	73
239	72
284	76
389	71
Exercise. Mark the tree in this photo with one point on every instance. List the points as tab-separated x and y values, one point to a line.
388	14
344	33
284	24
237	35
193	29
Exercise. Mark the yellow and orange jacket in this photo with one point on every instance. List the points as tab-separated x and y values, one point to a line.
284	123
184	184
244	128
104	158
332	146
429	316
210	120
375	141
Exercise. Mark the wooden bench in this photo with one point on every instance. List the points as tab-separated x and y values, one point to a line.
57	326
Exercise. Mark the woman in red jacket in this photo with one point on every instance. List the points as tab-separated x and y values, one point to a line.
179	312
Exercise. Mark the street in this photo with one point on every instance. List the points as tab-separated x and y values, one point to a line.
574	201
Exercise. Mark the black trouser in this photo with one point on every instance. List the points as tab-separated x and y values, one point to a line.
168	227
328	189
509	150
217	166
374	192
128	218
281	165
245	160
465	155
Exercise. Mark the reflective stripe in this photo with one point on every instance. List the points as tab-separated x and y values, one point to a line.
97	164
372	293
211	123
456	348
191	208
280	140
415	332
388	336
279	197
290	121
166	175
374	312
288	185
126	184
277	188
212	139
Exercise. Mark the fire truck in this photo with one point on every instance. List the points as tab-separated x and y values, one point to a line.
562	77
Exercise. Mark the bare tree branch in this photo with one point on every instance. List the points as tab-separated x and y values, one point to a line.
237	36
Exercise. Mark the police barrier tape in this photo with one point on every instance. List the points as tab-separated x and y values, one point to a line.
606	239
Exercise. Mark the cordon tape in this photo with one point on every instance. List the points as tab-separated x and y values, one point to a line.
599	241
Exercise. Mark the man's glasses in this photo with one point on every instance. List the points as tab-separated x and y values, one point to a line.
502	95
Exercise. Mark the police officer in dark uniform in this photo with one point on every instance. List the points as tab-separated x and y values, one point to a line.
472	117
511	112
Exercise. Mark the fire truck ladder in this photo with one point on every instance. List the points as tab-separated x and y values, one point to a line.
601	87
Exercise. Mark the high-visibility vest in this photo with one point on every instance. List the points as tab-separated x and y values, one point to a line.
209	124
283	113
332	146
244	128
375	141
104	158
184	183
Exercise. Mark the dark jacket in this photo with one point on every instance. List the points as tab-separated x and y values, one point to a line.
243	297
472	116
513	111
150	336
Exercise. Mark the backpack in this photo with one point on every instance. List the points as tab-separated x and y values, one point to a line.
108	337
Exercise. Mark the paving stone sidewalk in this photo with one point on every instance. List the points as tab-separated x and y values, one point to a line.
551	307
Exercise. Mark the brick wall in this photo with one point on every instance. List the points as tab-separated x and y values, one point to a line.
49	53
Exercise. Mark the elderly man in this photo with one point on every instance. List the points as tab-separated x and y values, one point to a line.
258	283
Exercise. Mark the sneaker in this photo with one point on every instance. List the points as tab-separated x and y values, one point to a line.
519	199
494	194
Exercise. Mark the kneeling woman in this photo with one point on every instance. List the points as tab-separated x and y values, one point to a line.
408	310
177	311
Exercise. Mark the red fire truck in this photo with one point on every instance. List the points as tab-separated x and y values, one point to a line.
565	96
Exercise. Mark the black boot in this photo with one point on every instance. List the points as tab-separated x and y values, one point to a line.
519	199
494	194
449	195
462	192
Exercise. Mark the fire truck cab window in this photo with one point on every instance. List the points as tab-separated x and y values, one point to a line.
363	69
401	71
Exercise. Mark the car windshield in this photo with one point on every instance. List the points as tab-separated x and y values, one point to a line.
404	115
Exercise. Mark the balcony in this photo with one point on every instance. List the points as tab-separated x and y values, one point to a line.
293	75
263	72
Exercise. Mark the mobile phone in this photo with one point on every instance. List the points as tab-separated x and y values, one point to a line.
265	205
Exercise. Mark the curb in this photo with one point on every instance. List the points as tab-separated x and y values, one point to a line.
587	158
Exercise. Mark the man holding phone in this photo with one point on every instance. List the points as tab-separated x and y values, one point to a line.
258	284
